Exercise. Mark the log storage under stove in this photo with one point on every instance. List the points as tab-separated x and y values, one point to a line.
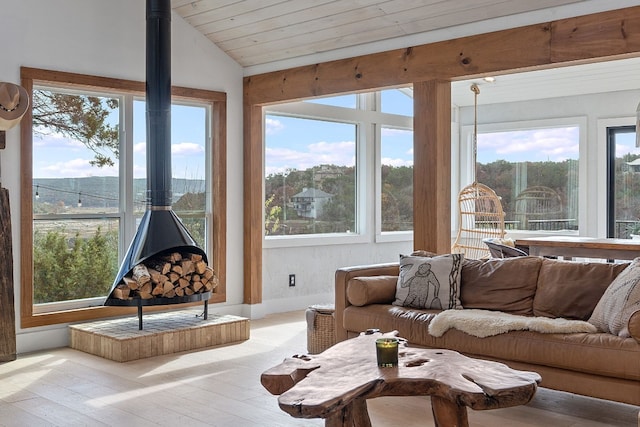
163	264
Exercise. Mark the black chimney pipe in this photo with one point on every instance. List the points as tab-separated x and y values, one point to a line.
158	105
160	230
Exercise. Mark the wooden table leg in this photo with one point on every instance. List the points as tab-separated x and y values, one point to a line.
354	414
448	414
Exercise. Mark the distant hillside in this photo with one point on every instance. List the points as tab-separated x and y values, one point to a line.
102	191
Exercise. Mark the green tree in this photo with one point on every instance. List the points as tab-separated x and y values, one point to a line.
79	117
71	268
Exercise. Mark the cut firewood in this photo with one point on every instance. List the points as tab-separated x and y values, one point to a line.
121	292
157	264
141	274
173	277
201	267
183	283
170	294
197	286
208	273
157	291
146	288
167	288
187	266
188	291
145	295
195	257
177	269
179	292
130	283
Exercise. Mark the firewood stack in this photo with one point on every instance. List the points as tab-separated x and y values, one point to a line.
167	276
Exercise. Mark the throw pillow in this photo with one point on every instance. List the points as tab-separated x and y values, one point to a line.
429	282
572	289
501	284
619	302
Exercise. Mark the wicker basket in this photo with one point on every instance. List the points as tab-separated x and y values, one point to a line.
321	328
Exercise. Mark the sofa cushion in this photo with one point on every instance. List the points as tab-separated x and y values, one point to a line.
364	290
607	355
429	282
505	284
572	289
619	302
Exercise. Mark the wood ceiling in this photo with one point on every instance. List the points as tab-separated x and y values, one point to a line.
265	35
256	32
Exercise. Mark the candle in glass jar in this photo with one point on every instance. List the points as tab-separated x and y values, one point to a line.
387	352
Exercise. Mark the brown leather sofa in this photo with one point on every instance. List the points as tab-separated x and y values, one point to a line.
598	364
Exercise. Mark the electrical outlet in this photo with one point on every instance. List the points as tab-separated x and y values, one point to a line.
292	280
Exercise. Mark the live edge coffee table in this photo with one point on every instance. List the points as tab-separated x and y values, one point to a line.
335	384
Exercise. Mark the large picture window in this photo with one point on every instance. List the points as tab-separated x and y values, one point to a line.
313	181
534	171
84	171
623	183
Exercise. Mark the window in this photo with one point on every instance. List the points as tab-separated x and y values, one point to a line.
84	165
623	182
396	177
534	170
313	184
311	176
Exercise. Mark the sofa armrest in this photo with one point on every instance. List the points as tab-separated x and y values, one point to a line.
342	277
634	327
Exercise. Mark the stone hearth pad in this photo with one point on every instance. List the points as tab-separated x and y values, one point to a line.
164	333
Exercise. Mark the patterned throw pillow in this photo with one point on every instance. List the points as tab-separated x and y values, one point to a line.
619	302
429	282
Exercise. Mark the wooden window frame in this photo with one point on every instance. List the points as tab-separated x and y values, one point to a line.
218	104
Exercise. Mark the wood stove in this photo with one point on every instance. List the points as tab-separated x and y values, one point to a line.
164	264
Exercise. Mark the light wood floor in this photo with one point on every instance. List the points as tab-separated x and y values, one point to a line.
221	387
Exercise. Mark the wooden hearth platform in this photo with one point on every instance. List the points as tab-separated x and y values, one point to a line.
164	333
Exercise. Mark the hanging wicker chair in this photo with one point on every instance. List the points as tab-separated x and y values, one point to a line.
480	214
480	217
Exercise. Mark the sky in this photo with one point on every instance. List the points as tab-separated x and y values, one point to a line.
294	143
55	156
298	143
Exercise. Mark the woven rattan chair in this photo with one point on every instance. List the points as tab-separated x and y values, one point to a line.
480	217
536	204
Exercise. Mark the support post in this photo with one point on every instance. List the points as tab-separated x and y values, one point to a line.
7	309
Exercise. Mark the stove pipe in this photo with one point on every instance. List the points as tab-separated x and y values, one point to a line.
160	230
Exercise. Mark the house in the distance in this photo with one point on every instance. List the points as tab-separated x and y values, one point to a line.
309	202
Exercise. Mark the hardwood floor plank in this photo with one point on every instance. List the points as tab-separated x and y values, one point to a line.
220	386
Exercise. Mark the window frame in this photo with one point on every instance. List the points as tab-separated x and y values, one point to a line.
216	212
465	162
369	121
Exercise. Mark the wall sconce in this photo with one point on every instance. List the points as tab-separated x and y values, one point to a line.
14	102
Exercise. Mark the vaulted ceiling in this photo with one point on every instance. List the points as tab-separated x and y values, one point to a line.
256	32
266	35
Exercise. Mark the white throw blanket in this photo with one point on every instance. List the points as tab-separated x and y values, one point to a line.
485	323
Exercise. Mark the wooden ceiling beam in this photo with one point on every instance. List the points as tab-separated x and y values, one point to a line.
585	38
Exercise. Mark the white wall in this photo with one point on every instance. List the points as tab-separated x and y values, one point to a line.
107	38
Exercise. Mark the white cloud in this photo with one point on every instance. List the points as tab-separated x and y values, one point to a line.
75	168
396	162
272	126
140	147
556	144
187	149
335	153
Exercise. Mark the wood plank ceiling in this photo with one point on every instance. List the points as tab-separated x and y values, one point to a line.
259	33
255	32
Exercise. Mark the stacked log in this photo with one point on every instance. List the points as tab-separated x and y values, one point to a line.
167	276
